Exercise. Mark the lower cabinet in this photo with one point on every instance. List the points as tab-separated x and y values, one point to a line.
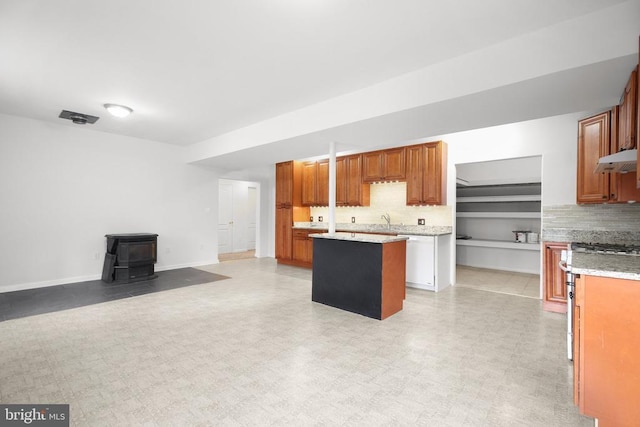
607	350
284	221
303	247
554	296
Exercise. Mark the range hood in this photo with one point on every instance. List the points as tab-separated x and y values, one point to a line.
622	161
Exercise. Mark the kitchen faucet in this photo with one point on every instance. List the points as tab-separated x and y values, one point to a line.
387	218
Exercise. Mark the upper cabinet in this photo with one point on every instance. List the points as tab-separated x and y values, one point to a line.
427	174
593	143
288	181
599	136
628	114
384	165
356	191
315	183
350	190
423	166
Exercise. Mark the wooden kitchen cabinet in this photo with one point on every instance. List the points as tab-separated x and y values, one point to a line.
628	114
384	165
593	143
554	296
607	350
303	247
315	183
288	207
284	222
284	184
599	136
427	174
350	188
622	186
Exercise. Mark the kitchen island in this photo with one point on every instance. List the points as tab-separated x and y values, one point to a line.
358	272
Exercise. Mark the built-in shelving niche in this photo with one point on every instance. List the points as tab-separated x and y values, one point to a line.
488	215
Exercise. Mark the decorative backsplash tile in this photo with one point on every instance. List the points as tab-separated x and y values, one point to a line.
389	198
617	224
614	217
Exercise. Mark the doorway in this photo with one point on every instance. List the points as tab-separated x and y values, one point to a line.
238	213
494	200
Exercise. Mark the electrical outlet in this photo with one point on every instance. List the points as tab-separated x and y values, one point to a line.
320	218
353	219
420	221
310	219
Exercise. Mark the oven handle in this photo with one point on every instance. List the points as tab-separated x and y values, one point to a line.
563	266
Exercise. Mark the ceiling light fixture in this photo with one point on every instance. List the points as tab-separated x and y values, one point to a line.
118	110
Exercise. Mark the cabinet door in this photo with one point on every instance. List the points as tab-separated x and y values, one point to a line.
609	350
434	180
309	183
394	168
555	280
372	166
593	143
322	190
284	222
300	245
341	182
628	114
415	166
284	184
357	191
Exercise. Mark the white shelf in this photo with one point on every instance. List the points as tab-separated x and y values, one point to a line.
515	198
499	244
534	215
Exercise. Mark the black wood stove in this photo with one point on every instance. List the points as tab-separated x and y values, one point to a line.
130	257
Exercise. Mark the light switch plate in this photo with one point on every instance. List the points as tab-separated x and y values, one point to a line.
420	221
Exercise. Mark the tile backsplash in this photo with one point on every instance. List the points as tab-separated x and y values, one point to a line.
614	217
389	198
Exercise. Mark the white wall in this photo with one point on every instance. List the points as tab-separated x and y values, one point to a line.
63	188
553	138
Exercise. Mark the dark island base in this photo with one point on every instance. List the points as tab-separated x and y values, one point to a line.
360	277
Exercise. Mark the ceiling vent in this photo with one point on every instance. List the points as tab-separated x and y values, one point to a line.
78	118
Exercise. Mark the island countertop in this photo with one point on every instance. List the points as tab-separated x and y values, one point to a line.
360	237
606	265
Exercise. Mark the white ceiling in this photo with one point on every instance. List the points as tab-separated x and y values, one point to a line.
199	69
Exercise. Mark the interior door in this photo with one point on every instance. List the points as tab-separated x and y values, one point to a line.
225	218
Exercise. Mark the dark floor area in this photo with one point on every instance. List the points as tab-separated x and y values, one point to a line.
30	302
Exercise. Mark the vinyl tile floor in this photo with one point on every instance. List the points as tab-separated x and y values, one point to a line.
504	282
254	350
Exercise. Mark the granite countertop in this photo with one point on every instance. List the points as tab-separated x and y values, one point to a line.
359	237
606	265
419	230
570	235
